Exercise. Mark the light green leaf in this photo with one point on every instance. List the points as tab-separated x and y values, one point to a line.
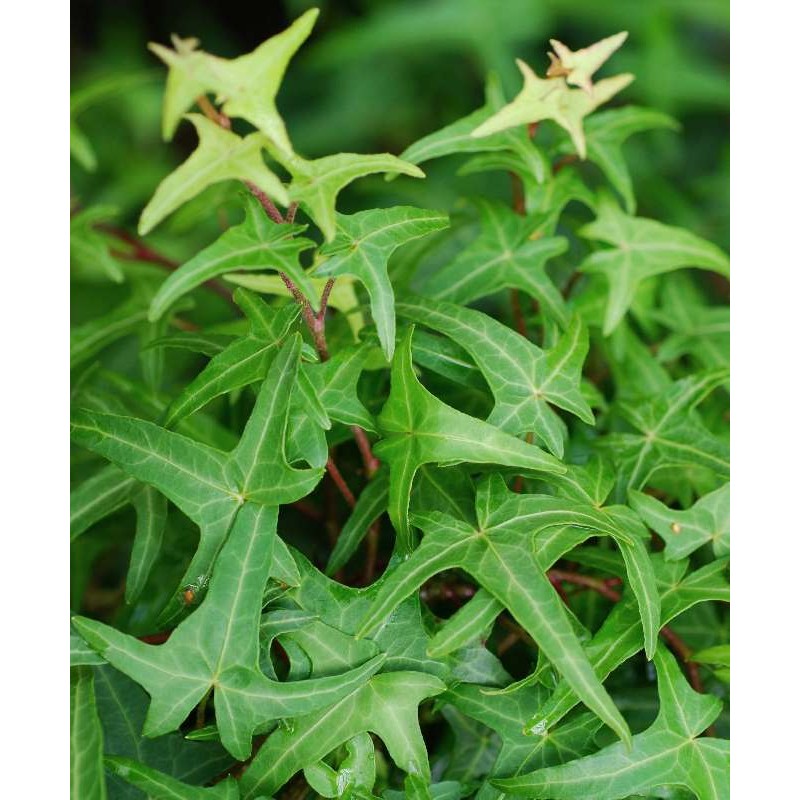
220	155
87	781
418	429
89	249
257	243
641	248
669	752
151	517
550	98
385	706
708	520
246	85
316	184
523	379
363	245
469	622
505	255
578	66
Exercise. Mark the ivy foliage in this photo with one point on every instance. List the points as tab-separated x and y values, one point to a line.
435	500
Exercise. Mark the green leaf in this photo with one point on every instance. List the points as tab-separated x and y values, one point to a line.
87	781
356	773
418	429
607	131
216	648
550	98
316	184
524	380
641	248
244	361
669	434
385	706
220	156
163	787
257	243
469	622
151	517
708	520
363	245
502	560
505	255
97	497
669	752
122	705
208	485
620	637
247	85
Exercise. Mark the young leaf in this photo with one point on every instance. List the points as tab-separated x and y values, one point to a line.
578	66
523	379
220	156
669	752
541	99
247	85
641	248
316	184
385	706
362	248
217	648
708	520
503	256
257	243
87	781
418	429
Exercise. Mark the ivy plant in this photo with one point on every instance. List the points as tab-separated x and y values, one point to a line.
385	499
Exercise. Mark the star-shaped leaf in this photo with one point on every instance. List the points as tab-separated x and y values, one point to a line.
524	379
246	85
670	752
550	98
209	485
316	184
355	776
607	131
257	243
500	556
363	245
641	248
708	520
122	705
220	156
161	786
620	636
217	647
669	433
244	361
504	255
385	706
418	429
578	66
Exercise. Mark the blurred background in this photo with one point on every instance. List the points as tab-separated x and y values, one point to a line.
376	75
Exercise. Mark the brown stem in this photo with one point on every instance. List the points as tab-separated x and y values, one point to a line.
214	114
290	212
341	485
266	203
584	580
371	463
516	311
562	162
